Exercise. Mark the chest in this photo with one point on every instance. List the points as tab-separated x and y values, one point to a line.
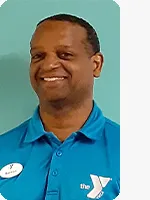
69	172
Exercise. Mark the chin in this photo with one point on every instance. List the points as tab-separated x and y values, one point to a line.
55	99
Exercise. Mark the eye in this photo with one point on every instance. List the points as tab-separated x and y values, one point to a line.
37	56
65	55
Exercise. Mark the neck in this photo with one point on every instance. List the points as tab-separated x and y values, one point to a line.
63	119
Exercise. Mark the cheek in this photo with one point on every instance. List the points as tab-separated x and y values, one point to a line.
88	78
86	72
32	73
84	78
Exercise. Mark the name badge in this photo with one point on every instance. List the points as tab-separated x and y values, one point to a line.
11	170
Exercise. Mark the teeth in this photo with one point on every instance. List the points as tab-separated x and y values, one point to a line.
53	79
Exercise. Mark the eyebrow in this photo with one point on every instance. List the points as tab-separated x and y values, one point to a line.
60	46
38	47
65	46
34	48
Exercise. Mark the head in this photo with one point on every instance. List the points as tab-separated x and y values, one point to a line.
65	59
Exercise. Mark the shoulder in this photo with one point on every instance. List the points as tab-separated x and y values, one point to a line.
14	136
112	130
112	136
112	125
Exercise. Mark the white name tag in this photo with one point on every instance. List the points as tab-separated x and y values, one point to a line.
11	170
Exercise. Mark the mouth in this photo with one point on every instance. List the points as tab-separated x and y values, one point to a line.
53	79
53	82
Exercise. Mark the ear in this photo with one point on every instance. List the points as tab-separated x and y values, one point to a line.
97	61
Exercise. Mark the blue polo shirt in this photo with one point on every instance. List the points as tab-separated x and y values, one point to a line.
85	166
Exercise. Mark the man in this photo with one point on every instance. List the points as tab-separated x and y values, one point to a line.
68	150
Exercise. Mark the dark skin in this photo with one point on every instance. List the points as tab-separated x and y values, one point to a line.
58	50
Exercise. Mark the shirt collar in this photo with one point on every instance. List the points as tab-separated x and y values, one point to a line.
92	128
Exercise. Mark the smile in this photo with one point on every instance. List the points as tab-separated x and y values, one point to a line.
53	79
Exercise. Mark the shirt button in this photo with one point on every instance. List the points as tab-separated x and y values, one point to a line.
55	173
59	153
52	192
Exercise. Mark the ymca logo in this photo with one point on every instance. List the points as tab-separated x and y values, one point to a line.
1	197
99	183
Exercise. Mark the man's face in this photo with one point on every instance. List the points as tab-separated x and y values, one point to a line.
61	67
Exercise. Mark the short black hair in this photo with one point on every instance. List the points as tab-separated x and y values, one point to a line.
92	37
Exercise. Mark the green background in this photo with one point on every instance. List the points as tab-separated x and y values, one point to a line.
18	19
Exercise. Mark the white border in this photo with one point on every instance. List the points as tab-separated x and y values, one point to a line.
2	2
117	2
135	100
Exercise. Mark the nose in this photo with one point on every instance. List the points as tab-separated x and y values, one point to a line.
51	62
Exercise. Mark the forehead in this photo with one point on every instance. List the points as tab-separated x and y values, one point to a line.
53	33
